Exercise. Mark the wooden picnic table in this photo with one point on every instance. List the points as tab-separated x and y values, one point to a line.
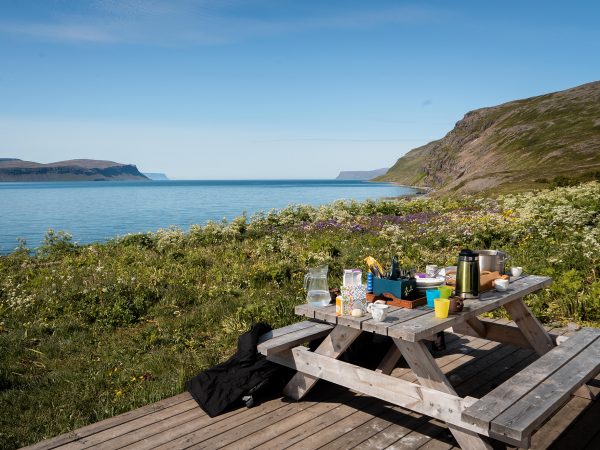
467	418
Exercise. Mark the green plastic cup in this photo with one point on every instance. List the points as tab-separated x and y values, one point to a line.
445	291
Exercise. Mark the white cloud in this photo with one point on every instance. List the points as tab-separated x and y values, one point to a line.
60	32
204	22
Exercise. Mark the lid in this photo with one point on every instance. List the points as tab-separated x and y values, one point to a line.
468	255
499	253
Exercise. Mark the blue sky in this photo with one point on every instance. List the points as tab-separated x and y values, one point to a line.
204	89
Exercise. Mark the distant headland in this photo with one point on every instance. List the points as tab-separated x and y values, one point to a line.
14	170
157	176
361	174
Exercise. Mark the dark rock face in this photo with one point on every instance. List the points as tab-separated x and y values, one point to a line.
12	170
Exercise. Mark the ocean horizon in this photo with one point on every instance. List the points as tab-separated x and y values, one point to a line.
93	211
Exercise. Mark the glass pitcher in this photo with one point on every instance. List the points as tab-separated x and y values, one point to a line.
315	283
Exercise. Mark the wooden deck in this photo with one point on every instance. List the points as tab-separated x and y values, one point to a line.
331	417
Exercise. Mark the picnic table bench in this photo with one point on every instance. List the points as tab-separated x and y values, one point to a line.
510	413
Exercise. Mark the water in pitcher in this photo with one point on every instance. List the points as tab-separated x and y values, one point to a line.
317	290
318	298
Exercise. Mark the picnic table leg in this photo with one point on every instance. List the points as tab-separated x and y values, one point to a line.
430	375
389	361
333	346
531	328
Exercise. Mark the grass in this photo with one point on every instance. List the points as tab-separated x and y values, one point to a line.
90	331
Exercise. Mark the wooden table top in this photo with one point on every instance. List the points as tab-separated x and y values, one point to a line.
420	323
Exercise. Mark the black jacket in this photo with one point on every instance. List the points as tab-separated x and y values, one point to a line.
223	386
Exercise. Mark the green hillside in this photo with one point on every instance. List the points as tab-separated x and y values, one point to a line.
523	144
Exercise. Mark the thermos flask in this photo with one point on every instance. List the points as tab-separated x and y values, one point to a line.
467	274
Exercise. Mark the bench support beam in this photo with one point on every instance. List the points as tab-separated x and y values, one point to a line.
505	334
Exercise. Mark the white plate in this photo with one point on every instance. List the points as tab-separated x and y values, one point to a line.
427	282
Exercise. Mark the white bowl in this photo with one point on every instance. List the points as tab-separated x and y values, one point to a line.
501	284
516	271
430	282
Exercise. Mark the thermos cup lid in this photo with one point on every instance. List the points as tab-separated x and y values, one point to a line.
468	255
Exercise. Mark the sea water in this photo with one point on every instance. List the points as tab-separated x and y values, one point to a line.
318	298
95	211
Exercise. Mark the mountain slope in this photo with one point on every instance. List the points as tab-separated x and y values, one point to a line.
509	147
12	169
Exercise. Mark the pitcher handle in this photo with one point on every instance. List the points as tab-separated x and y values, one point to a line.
306	278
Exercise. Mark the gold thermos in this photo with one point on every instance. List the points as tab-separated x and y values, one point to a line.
467	274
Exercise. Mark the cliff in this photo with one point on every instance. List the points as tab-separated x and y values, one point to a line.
12	169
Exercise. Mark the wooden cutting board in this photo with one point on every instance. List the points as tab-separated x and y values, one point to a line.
486	280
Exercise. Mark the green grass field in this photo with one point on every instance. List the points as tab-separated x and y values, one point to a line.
90	331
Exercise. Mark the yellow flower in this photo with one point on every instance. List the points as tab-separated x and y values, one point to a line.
118	393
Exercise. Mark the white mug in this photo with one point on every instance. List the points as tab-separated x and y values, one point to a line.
516	271
378	311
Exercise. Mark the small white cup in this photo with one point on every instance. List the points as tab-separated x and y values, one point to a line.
378	311
501	284
516	271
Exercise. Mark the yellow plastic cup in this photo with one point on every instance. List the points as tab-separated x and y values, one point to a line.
441	308
445	291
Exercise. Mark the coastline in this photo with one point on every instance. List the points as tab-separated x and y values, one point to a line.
421	191
160	204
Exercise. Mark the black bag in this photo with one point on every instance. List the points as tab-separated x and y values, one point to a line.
247	376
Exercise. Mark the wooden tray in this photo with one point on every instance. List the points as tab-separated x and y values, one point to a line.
392	300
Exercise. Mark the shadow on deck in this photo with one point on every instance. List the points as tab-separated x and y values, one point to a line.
332	417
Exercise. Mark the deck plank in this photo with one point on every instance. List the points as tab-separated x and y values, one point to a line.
109	423
303	436
333	417
581	432
342	425
291	424
185	436
113	436
238	435
366	430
